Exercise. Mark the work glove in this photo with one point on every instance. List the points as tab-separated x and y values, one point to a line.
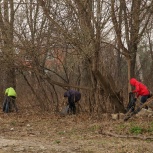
135	99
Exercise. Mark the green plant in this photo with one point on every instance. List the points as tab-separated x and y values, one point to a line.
136	130
13	123
149	129
121	127
94	128
58	141
61	133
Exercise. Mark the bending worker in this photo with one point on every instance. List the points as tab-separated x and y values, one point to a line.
73	96
10	100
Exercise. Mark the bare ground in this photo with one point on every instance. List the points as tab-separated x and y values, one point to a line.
48	133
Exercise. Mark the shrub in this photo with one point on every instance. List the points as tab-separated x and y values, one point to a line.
136	130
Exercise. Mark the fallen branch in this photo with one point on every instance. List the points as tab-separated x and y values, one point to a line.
124	136
130	114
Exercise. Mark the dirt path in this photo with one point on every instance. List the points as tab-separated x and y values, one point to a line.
71	134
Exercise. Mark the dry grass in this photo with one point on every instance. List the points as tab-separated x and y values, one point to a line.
72	134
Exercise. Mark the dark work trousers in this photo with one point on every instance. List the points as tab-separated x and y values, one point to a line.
6	105
72	106
9	103
13	102
144	99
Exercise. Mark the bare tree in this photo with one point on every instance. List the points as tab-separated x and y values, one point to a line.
71	44
85	36
130	20
7	50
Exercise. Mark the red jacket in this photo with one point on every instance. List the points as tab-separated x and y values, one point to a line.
140	88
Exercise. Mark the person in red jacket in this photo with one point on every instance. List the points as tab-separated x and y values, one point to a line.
140	90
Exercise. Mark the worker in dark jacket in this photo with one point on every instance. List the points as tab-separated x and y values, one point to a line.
140	90
73	96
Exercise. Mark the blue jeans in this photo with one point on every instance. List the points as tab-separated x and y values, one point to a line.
6	105
144	99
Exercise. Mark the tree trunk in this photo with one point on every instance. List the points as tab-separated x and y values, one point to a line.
7	23
115	98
